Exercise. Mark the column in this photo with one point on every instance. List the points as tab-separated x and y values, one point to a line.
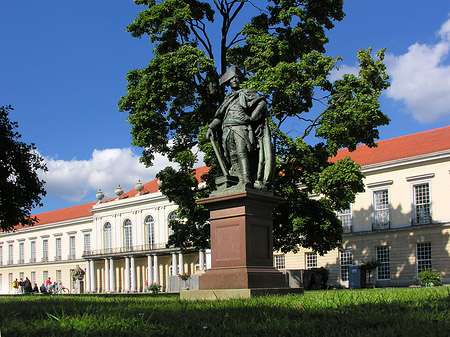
106	275
201	259
92	272
87	278
155	269
174	264
112	276
127	274
133	274
180	263
149	270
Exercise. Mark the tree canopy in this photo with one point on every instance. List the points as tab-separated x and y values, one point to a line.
20	187
281	49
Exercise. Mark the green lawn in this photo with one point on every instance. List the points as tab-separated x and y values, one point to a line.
344	313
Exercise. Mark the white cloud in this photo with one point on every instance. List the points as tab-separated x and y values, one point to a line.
75	180
343	69
421	79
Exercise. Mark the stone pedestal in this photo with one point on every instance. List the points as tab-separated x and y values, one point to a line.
241	241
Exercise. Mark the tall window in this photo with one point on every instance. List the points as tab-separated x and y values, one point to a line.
21	252
58	249
1	255
172	216
72	247
45	275
381	209
107	236
44	250
422	204
345	261
383	257
10	254
58	277
127	234
280	262
33	251
423	256
149	231
10	281
87	242
1	282
346	218
311	260
33	278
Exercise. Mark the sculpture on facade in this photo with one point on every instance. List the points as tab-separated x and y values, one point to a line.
240	124
77	273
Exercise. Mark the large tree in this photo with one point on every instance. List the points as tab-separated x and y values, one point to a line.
281	49
20	187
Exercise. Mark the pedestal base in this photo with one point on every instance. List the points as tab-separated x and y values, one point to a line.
227	294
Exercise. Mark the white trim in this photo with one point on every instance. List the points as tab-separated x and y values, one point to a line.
420	177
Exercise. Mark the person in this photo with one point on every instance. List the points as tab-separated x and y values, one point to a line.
35	289
48	283
242	120
15	286
21	286
27	286
43	289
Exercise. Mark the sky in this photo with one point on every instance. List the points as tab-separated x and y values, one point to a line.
63	67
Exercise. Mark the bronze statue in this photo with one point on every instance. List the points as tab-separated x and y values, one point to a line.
241	123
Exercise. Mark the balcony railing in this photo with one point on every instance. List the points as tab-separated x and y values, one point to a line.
44	259
58	258
21	261
109	251
71	257
347	228
33	260
10	262
381	220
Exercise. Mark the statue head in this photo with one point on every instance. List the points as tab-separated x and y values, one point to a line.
232	73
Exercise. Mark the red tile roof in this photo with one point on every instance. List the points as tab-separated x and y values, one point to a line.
402	147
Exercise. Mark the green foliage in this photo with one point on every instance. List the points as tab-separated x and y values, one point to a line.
282	50
370	266
429	278
154	288
410	312
20	187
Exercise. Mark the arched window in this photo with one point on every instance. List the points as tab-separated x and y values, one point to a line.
149	232
107	236
172	216
127	234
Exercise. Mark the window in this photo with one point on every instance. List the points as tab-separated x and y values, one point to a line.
33	278
127	234
33	251
380	209
21	252
422	204
280	262
346	218
107	236
87	242
44	250
1	255
383	257
45	276
10	253
345	261
149	232
58	277
311	260
71	247
1	282
172	216
10	280
58	249
423	256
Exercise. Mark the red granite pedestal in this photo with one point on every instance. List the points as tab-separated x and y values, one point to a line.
241	242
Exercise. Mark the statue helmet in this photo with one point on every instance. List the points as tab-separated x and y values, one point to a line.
229	74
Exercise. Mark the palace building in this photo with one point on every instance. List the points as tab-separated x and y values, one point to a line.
402	220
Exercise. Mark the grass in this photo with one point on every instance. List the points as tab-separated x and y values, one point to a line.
371	312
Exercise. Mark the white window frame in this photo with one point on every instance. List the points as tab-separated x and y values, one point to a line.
44	250
72	247
1	282
87	242
107	236
171	216
279	261
128	234
383	254
346	217
58	249
375	223
149	223
10	253
10	281
1	255
33	278
21	252
310	260
345	261
33	251
59	277
414	204
420	261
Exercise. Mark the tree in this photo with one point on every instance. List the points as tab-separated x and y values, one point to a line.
282	52
20	187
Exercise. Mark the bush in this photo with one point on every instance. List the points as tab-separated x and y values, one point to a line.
154	288
429	278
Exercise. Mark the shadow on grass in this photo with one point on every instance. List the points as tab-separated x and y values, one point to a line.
329	313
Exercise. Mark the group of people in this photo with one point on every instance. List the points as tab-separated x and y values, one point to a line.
25	287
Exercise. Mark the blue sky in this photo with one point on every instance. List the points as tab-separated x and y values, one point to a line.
63	67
